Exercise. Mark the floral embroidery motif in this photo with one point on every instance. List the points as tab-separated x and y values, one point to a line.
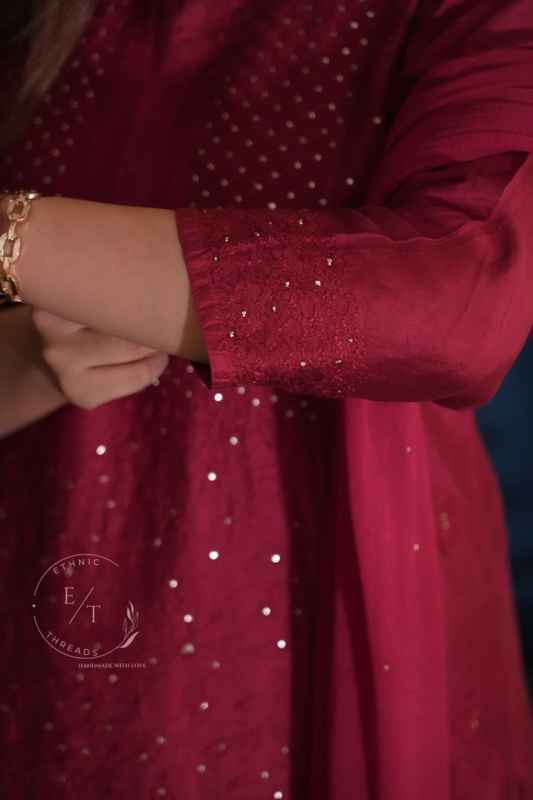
287	261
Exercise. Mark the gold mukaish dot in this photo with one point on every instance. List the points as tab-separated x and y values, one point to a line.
318	283
338	361
256	233
416	547
386	667
408	449
215	258
232	334
226	238
329	261
287	284
187	649
303	363
243	313
300	222
274	308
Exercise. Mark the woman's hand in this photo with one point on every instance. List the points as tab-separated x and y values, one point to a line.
93	368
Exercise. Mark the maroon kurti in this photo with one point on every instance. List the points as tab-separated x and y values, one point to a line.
310	531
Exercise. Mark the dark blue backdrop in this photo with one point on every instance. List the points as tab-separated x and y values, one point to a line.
506	424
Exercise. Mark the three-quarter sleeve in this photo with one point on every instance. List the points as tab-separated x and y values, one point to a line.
425	292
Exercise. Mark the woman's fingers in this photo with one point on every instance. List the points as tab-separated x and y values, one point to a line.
91	346
99	349
93	368
99	385
51	327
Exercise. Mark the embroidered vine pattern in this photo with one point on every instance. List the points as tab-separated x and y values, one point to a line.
280	287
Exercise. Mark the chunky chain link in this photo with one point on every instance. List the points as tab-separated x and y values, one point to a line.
17	211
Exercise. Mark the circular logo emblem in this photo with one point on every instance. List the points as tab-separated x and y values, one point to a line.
80	610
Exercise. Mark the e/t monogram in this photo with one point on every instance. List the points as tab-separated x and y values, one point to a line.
69	600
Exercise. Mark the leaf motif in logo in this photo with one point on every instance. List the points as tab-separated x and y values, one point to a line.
129	640
125	626
135	621
128	612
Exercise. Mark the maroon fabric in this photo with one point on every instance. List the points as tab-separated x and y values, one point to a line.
311	531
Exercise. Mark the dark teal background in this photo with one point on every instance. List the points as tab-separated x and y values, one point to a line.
506	424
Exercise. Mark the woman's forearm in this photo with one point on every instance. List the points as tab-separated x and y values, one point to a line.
115	269
28	390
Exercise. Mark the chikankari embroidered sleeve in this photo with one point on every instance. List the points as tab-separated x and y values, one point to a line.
426	292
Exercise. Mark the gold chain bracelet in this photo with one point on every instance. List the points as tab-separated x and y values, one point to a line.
17	211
